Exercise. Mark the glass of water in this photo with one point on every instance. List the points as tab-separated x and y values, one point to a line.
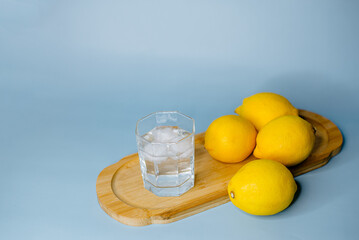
165	142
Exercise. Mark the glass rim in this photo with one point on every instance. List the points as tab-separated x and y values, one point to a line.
163	112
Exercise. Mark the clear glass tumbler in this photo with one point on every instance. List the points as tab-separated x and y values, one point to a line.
165	142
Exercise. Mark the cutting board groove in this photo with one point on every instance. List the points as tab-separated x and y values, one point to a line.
121	194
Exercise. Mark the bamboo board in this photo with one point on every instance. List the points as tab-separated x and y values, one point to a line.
121	193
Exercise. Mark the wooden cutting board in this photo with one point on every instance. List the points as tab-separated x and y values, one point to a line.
121	194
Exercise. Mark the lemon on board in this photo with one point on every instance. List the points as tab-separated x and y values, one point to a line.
262	187
287	139
230	138
263	107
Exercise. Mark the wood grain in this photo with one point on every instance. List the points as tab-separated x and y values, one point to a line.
121	193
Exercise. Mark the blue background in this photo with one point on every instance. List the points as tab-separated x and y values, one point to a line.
76	75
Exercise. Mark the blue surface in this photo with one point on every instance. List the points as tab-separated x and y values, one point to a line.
76	75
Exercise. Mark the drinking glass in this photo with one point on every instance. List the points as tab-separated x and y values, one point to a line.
165	142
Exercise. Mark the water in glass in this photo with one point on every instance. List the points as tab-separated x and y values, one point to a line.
167	160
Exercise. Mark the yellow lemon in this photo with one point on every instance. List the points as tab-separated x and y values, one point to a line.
262	187
230	138
263	107
287	139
